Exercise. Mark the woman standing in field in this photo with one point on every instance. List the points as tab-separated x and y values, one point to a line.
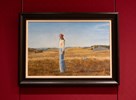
61	53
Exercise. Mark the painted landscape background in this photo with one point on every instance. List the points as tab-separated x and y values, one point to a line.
87	47
92	61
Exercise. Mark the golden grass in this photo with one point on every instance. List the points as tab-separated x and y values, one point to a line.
78	61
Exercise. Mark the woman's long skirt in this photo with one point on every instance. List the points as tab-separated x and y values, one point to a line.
61	61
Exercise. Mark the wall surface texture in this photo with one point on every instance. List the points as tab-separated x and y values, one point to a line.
9	32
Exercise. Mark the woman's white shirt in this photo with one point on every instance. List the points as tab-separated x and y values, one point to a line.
62	44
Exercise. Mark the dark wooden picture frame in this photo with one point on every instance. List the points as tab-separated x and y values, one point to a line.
26	18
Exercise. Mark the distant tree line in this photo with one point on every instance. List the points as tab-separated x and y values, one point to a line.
34	50
98	46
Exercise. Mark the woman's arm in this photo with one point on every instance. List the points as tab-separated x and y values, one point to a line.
63	46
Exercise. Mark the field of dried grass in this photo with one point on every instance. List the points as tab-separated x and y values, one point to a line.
78	61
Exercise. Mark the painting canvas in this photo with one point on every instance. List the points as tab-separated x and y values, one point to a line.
87	48
68	49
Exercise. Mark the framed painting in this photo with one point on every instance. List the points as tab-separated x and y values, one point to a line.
68	49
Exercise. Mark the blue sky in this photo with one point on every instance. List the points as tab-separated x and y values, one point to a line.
76	34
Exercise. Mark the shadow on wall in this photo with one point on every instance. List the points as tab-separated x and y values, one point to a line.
68	90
